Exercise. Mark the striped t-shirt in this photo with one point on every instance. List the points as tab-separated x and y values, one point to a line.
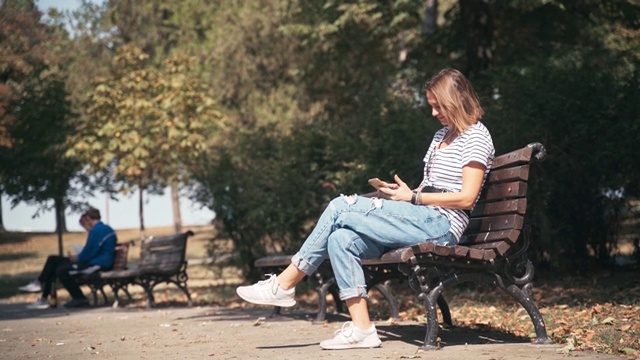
443	167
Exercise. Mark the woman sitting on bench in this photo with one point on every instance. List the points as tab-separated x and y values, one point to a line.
354	227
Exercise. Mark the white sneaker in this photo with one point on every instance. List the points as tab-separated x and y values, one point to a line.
267	292
41	304
32	287
352	337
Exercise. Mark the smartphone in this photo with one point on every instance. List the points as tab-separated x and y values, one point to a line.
377	183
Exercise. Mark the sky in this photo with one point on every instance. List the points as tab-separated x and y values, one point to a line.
43	5
121	214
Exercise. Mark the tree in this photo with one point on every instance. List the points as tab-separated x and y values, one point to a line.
34	112
305	86
146	125
559	72
553	71
1	218
158	28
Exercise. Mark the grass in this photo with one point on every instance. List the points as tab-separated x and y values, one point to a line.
598	311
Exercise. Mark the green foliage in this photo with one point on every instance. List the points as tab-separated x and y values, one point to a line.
573	91
34	111
145	124
585	136
559	72
305	86
319	96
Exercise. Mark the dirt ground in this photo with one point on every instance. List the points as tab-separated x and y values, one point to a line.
242	333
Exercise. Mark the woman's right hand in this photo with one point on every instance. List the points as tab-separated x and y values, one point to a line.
399	191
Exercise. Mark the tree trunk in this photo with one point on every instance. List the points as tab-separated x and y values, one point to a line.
477	25
175	203
141	212
430	17
1	220
60	223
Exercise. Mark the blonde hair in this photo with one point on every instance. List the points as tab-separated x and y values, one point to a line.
456	97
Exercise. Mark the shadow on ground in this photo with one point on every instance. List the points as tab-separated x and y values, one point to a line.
17	256
408	332
13	237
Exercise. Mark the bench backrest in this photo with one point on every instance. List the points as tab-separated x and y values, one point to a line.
498	218
121	256
163	255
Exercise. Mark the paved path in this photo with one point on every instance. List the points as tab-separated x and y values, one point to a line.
221	333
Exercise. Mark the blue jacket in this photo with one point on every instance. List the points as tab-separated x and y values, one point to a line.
100	248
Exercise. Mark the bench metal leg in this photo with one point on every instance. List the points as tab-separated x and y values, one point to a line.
525	299
386	291
94	294
322	289
276	312
115	288
430	300
150	284
339	304
444	309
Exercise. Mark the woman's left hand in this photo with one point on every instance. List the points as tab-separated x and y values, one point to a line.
399	191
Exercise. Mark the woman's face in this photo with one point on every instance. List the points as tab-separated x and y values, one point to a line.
436	111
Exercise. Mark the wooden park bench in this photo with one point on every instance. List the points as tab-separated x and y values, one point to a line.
491	251
162	260
94	279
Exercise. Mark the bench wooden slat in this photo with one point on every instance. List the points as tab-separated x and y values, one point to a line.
517	173
516	157
460	251
512	206
499	248
510	190
509	235
475	254
273	261
423	248
399	255
493	223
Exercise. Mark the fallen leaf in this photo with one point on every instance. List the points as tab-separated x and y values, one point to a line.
627	351
608	321
569	347
625	327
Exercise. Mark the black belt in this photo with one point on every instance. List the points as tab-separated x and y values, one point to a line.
433	189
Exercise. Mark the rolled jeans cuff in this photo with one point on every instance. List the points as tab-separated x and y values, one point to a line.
303	265
358	291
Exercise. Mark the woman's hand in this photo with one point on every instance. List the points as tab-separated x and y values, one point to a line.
399	191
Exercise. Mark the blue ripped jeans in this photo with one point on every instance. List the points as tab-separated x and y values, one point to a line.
354	227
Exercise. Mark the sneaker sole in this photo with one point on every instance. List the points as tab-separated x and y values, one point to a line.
351	346
30	290
283	303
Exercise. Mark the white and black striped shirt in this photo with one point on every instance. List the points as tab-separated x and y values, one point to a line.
443	167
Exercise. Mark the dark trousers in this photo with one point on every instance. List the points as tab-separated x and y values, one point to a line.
57	267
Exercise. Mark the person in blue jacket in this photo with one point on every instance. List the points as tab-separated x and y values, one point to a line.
97	254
